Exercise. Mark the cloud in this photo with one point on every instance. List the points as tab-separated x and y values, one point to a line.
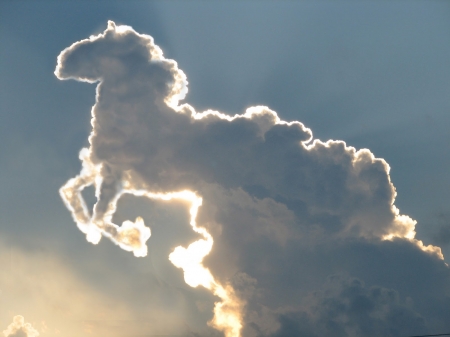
18	328
285	268
442	237
346	307
266	199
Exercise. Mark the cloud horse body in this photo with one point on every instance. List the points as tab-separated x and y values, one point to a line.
145	143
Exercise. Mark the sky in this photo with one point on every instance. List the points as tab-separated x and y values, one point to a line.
310	140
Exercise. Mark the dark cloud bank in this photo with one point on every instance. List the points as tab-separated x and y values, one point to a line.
305	231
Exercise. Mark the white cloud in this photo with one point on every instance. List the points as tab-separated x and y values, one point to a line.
18	328
269	191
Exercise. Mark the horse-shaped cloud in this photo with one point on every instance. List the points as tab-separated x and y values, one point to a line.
146	143
143	140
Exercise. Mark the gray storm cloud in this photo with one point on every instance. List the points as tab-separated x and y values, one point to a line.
266	199
346	307
18	328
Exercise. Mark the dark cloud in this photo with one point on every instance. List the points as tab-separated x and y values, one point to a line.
346	307
283	265
285	210
442	237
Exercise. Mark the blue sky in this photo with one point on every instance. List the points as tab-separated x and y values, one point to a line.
373	74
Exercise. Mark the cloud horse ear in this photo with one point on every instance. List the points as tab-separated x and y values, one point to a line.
111	25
